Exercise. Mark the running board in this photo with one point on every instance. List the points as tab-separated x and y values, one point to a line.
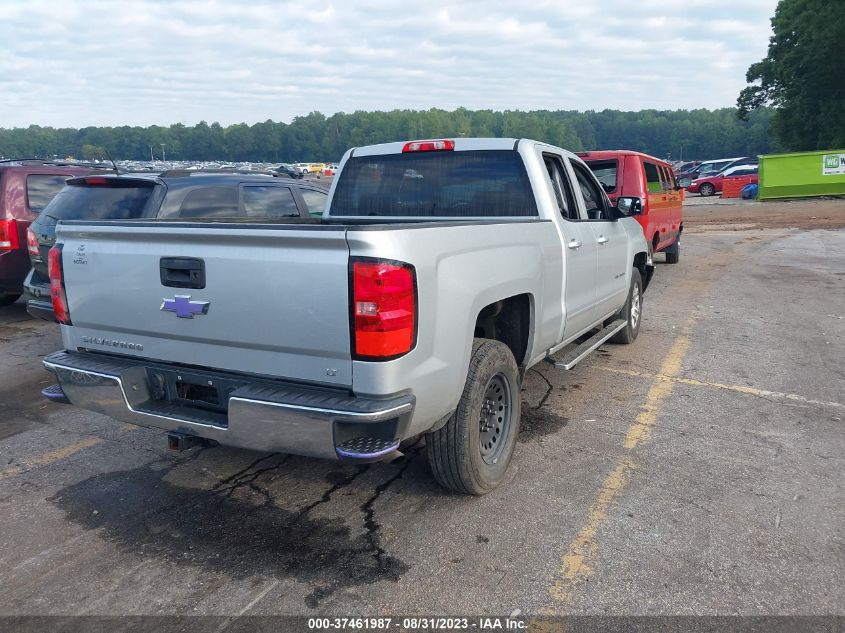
578	354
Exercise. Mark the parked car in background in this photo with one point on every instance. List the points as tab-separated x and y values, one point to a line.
287	169
174	195
710	185
26	186
330	170
651	180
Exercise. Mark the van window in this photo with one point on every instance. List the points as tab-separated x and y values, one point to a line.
667	178
485	183
40	189
606	172
652	177
265	201
207	202
120	200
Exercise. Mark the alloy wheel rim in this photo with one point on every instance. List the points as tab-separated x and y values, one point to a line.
635	307
495	419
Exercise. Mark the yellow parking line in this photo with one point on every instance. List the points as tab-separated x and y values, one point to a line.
575	564
751	391
49	458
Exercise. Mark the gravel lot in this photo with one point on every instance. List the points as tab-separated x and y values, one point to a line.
698	471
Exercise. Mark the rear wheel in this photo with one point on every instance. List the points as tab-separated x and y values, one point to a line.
471	452
7	299
673	253
707	189
632	312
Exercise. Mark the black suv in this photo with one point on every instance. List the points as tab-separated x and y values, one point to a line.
172	195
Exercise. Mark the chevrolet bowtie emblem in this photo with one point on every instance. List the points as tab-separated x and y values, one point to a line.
184	307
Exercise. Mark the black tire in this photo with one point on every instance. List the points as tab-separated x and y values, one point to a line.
673	253
468	454
707	190
633	317
7	299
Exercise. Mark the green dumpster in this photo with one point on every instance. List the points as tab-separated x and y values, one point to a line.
802	174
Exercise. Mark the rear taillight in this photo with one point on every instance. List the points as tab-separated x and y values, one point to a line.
32	242
57	285
384	309
9	238
429	146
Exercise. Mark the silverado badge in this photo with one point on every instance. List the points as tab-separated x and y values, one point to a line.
184	307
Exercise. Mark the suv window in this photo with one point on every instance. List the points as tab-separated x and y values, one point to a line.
435	184
118	201
606	173
593	199
652	177
315	201
40	189
207	202
266	201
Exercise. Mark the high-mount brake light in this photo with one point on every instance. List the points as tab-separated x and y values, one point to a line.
429	146
95	180
57	285
384	309
32	242
9	238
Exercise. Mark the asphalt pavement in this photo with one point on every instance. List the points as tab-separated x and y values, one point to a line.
698	471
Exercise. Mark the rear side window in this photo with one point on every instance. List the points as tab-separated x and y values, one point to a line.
315	201
125	201
606	172
262	201
40	189
652	177
210	202
490	183
667	177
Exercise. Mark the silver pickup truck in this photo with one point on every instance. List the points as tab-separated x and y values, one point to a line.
440	272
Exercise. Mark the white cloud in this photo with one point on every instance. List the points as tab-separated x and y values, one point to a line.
139	62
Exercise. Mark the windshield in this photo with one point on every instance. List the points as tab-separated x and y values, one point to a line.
489	183
118	201
605	171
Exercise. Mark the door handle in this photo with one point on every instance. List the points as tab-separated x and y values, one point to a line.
603	240
573	244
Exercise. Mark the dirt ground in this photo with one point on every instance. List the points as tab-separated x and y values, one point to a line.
741	215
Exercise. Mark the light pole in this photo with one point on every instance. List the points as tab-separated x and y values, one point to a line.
152	158
163	159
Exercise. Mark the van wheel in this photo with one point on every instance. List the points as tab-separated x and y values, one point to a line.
471	452
707	189
7	299
673	253
632	312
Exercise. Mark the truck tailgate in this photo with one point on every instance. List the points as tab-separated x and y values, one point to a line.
274	302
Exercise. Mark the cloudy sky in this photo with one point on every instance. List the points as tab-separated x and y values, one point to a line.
142	62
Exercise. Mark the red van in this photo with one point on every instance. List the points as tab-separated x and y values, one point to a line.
627	173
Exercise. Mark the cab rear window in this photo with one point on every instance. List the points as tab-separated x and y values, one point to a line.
117	201
605	172
490	183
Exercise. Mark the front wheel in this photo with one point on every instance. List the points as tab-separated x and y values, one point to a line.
471	452
673	253
632	312
707	189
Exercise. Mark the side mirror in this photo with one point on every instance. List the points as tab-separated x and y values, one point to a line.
629	206
683	183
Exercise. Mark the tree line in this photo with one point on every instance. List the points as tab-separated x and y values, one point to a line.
678	134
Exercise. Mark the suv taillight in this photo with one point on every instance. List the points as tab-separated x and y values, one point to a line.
384	309
57	285
9	239
32	242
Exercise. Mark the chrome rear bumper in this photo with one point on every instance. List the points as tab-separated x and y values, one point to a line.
260	415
